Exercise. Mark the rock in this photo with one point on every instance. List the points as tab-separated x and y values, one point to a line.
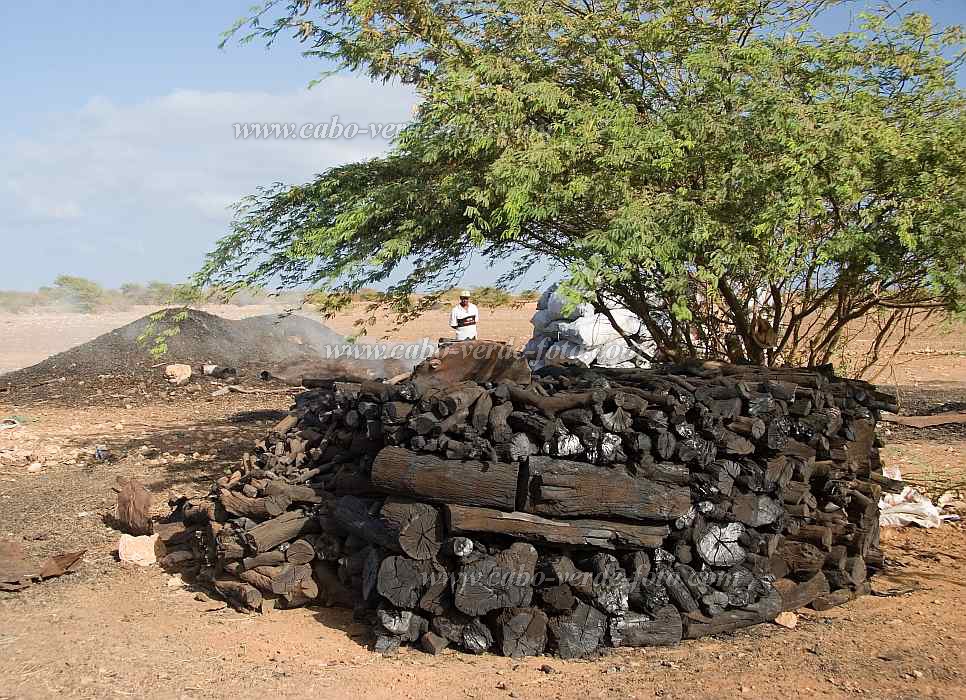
179	375
35	467
143	550
788	620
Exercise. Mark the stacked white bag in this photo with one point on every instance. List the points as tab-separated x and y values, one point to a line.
583	335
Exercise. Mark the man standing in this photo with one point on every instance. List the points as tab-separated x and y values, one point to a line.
464	317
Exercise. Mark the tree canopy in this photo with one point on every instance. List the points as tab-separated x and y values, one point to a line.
751	186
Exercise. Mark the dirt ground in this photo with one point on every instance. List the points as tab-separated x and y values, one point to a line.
116	630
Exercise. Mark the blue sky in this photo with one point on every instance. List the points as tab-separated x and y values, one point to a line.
119	155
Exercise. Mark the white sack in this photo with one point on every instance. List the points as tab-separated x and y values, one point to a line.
556	303
539	321
565	350
615	353
597	330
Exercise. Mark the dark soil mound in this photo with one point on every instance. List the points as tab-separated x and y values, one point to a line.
118	358
201	338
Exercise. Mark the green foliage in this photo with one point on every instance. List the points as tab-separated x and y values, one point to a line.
162	326
81	293
745	183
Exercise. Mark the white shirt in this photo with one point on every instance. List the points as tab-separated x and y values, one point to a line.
467	332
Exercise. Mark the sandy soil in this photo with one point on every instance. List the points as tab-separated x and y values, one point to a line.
112	630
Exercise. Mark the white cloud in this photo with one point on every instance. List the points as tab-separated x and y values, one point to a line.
137	191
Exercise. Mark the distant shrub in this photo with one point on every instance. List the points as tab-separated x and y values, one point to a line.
81	293
491	297
17	302
369	294
328	302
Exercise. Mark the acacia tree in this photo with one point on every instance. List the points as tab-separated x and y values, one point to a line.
751	187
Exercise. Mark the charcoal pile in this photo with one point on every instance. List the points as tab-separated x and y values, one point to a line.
563	513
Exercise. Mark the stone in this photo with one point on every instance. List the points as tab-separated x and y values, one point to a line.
179	375
143	550
788	620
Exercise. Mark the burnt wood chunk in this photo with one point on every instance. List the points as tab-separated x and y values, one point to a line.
519	447
617	421
419	527
579	633
353	516
551	405
539	427
284	528
239	594
777	431
798	595
273	558
718	545
500	430
765	609
480	415
574	489
756	510
495	582
817	535
749	426
558	599
300	552
663	628
804	560
664	443
254	508
395	412
402	580
467	632
734	444
532	528
522	632
666	472
455	401
678	592
428	478
611	588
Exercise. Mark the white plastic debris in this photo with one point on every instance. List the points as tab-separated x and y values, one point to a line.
908	508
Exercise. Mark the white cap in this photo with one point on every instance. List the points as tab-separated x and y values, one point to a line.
465	293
